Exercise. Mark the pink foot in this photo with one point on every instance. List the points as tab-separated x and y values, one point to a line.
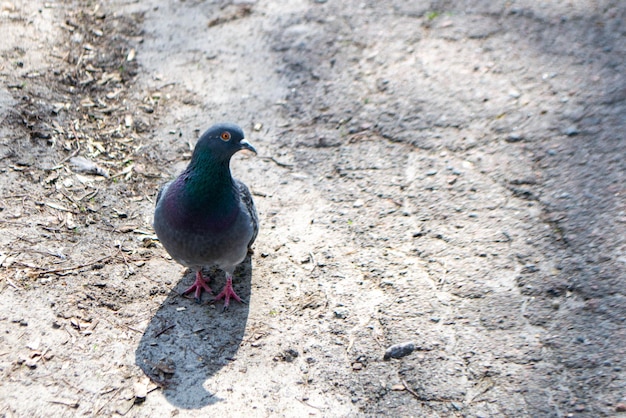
227	293
198	286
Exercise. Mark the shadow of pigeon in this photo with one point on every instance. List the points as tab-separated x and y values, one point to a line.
186	343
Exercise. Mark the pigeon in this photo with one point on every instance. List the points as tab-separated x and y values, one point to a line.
205	217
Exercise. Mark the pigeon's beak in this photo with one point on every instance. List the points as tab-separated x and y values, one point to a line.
246	145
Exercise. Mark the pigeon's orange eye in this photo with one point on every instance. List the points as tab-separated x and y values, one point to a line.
225	136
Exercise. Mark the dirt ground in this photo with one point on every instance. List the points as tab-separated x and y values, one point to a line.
450	174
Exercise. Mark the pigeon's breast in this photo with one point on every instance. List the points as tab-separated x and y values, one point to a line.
201	238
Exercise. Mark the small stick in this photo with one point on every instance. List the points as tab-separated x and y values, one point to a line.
307	404
68	197
313	262
61	208
106	258
164	330
44	353
89	195
10	282
132	329
411	391
14	196
421	398
71	404
278	163
197	354
109	400
72	155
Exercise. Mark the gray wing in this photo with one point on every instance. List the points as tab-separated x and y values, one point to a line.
246	198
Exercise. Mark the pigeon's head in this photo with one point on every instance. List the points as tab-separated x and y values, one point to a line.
220	142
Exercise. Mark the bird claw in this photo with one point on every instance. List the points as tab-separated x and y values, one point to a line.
227	308
197	287
227	293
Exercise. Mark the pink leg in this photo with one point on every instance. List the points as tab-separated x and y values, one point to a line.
227	293
198	286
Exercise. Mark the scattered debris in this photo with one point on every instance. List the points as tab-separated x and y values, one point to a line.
141	389
288	355
230	14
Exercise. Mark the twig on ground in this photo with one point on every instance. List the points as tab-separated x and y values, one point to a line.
71	404
10	282
72	155
307	404
164	330
76	267
422	398
132	329
278	163
313	262
108	401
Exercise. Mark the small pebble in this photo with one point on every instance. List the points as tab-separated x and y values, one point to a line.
31	363
571	131
290	354
514	137
514	94
399	350
341	313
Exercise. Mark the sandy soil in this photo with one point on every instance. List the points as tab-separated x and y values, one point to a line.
446	174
